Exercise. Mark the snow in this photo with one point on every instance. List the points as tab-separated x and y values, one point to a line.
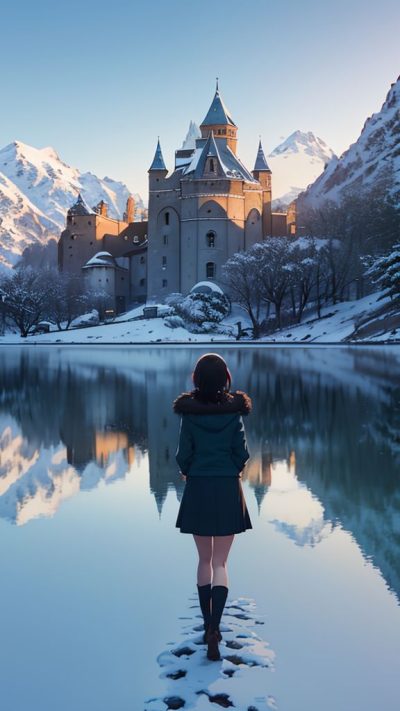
101	259
206	286
296	163
336	325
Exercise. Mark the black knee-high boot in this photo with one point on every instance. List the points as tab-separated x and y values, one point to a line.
219	593
204	592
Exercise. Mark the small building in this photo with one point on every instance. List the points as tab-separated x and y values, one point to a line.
104	274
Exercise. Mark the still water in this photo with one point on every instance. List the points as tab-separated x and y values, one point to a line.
94	576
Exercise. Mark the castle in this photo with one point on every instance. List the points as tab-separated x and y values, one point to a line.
210	207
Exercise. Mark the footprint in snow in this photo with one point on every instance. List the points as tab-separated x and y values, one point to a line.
237	681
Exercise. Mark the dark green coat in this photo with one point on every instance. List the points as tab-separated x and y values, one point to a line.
212	438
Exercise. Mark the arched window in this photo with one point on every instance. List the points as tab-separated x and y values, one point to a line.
210	239
166	217
212	169
210	270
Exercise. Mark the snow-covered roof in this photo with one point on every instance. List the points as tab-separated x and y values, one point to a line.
218	114
101	259
80	207
158	160
230	165
261	163
205	287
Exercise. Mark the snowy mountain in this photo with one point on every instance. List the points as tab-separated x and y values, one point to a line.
193	133
296	163
36	190
375	156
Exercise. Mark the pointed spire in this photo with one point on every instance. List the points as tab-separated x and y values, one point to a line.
218	114
80	207
158	160
261	163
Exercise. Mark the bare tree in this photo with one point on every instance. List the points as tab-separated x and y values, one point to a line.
241	276
26	297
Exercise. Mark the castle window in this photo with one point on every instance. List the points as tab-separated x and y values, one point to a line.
165	239
90	243
89	222
136	239
164	262
142	282
142	260
164	282
212	168
210	239
210	270
166	218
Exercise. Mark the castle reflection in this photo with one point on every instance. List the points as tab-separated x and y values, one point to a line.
324	434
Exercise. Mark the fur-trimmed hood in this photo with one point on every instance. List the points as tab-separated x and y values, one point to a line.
236	401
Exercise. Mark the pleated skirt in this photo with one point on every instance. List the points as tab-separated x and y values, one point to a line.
213	506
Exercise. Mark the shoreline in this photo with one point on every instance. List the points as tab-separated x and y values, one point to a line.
268	344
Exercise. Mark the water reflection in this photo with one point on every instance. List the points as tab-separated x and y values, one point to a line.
324	435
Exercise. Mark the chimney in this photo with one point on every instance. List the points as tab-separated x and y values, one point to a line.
102	208
129	215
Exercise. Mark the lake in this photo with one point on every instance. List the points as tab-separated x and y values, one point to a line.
95	580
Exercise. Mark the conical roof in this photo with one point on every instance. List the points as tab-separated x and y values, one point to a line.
158	160
80	207
261	163
218	114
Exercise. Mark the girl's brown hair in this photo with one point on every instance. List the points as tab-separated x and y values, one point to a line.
211	378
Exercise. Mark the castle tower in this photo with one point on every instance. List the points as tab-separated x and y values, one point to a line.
220	122
263	174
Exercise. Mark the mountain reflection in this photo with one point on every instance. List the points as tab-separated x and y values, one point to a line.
324	434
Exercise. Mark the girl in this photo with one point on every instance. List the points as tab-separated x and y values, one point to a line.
211	454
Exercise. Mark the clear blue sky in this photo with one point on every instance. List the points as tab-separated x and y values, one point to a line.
99	81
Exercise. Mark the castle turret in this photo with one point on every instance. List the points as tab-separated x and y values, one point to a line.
158	164
219	121
263	174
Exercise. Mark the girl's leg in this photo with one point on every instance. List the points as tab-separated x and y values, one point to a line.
220	552
205	549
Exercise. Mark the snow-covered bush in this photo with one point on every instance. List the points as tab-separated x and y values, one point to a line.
174	322
174	298
90	319
199	308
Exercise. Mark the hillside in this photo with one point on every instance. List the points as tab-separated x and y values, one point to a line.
372	160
